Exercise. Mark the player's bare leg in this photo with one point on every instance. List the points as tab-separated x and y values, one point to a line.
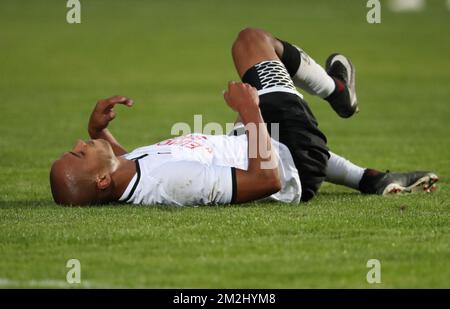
254	46
257	60
336	84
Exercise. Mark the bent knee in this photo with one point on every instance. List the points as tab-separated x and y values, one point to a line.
248	37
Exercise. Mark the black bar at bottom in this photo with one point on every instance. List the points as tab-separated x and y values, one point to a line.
211	297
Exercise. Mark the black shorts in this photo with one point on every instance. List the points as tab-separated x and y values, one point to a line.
298	128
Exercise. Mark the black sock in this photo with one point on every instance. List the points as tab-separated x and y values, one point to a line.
338	90
291	57
367	184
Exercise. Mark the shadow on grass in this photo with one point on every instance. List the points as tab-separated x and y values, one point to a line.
339	194
26	203
265	203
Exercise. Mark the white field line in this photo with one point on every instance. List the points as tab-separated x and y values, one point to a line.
49	283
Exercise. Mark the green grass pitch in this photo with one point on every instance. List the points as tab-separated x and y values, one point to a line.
173	58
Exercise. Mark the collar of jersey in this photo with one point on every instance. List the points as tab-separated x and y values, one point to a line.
129	191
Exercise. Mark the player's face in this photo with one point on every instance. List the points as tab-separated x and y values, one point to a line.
92	155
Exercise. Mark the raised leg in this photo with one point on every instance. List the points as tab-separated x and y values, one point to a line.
336	85
256	54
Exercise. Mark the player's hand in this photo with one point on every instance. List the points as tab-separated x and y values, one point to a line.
241	96
103	112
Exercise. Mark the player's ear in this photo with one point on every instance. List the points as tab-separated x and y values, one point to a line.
103	181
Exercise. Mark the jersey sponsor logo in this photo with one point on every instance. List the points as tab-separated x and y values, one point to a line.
189	141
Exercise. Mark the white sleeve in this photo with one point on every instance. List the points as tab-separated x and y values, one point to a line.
194	183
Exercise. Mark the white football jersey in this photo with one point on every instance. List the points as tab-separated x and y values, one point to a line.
199	169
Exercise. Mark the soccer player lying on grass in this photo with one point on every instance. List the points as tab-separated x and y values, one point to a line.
203	169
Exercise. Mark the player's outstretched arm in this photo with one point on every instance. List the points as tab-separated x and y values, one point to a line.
101	116
261	179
